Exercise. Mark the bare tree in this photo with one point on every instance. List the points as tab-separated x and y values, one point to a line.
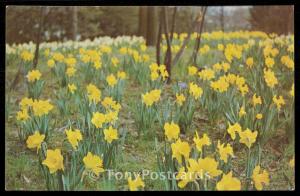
75	21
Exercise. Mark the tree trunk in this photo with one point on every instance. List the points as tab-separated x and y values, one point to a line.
168	57
151	26
143	21
222	18
38	37
198	41
75	22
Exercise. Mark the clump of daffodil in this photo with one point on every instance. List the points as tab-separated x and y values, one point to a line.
98	119
158	70
195	90
26	55
111	80
270	78
41	107
33	75
93	163
260	178
172	131
221	85
57	56
288	62
73	137
94	94
278	101
151	97
269	62
207	74
54	160
35	140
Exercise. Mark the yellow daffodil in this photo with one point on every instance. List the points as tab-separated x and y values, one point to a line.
22	115
135	184
260	178
171	131
180	98
54	160
35	140
248	137
259	116
229	183
200	142
98	119
111	80
232	129
74	137
180	149
278	101
224	151
93	163
192	70
33	75
72	88
110	134
195	90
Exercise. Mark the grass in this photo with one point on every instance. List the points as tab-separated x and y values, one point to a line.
137	153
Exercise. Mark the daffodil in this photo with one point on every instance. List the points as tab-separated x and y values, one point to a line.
224	151
93	163
54	160
180	149
33	75
248	137
135	184
180	98
229	183
72	88
110	134
260	178
73	137
111	80
22	115
35	140
200	142
98	119
195	90
171	131
232	129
